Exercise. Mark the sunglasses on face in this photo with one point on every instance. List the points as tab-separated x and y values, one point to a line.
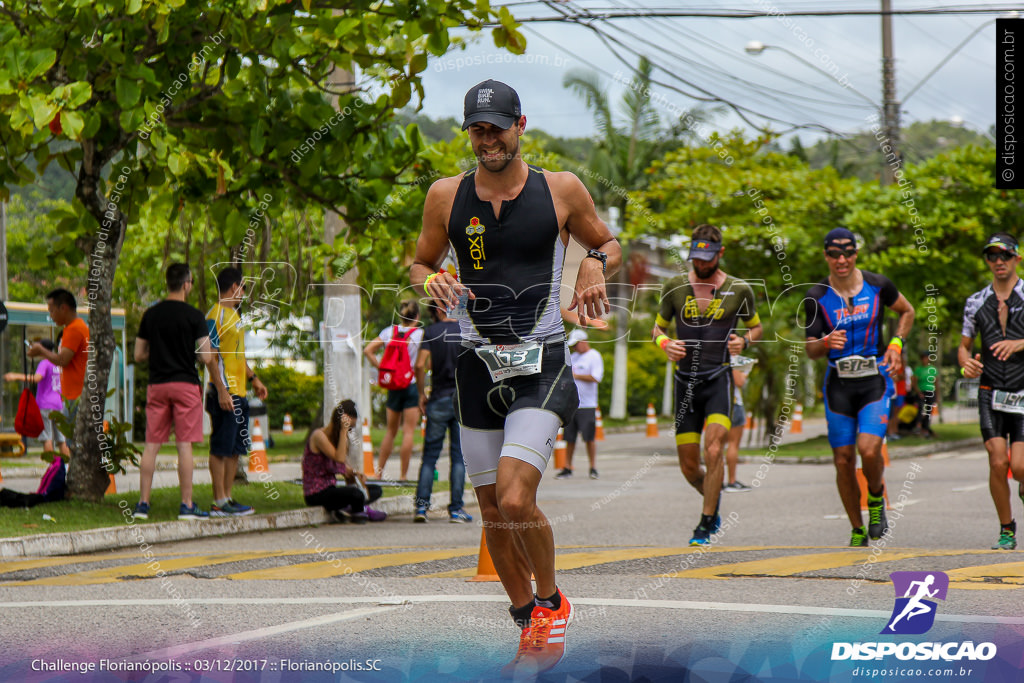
848	252
993	256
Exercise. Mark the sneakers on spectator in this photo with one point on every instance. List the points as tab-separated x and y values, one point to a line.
193	512
339	516
360	517
141	511
421	514
564	474
736	487
239	509
593	473
459	516
230	509
375	515
542	643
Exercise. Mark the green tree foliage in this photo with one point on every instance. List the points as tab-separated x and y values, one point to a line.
294	393
165	103
924	233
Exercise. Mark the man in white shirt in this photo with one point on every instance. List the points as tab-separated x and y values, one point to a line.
587	370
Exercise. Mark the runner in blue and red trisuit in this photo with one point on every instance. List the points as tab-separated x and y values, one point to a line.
844	320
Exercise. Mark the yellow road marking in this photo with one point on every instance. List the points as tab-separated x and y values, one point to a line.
340	566
20	565
568	561
1010	574
148	570
798	564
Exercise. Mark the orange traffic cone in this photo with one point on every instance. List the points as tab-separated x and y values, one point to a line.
111	487
368	467
797	426
287	429
423	427
652	421
750	422
598	426
862	482
485	570
258	454
560	454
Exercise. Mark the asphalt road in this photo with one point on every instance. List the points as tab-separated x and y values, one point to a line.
767	602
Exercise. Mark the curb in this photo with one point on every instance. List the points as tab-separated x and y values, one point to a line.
895	453
131	535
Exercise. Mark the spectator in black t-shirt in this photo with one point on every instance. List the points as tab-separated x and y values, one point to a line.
440	348
170	336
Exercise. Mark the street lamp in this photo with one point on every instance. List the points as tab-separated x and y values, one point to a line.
756	47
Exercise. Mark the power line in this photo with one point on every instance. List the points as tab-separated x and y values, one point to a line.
617	13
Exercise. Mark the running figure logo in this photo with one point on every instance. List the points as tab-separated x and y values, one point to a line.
913	613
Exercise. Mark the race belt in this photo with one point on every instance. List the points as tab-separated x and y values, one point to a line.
1008	401
855	367
511	360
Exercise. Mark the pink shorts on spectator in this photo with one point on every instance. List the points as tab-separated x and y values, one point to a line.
174	403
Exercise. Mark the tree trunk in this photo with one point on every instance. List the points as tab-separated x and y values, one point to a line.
91	466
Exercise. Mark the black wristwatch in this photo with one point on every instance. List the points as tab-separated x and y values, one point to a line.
600	256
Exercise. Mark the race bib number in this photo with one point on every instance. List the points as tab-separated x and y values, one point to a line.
854	367
511	360
1008	402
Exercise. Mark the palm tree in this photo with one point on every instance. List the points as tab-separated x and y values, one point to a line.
624	150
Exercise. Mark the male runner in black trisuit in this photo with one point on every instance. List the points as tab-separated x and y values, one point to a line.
997	313
508	224
704	306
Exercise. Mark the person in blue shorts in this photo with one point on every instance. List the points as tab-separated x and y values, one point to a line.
845	313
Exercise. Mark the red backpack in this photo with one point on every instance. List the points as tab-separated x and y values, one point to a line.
396	365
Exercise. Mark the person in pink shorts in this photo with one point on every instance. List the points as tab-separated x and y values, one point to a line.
171	335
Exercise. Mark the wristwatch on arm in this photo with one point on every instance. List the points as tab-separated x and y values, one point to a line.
600	256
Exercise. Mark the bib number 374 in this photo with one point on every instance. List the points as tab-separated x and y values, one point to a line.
511	360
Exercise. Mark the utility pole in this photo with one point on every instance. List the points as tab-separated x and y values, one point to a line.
619	375
343	320
890	106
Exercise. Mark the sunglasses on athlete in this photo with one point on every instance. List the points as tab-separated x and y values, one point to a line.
993	256
849	252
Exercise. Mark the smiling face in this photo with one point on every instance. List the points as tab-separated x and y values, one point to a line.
841	256
495	148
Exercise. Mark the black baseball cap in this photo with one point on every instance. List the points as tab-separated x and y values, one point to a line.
1003	241
839	235
491	102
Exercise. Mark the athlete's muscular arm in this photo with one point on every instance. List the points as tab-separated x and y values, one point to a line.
576	213
972	367
893	355
432	246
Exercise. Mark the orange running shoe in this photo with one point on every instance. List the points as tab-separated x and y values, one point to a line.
542	643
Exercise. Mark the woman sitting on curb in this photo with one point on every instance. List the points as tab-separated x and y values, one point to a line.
325	455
